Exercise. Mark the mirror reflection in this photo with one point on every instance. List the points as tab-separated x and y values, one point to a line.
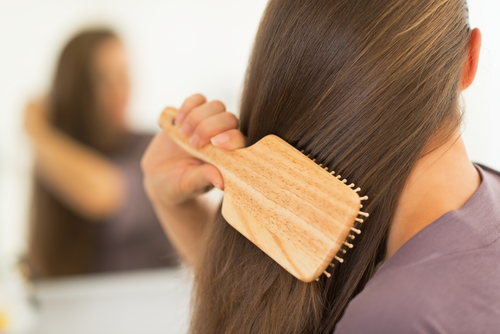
88	198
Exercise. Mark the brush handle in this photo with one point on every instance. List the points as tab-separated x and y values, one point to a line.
208	153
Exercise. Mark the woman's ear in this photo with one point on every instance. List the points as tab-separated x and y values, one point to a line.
469	69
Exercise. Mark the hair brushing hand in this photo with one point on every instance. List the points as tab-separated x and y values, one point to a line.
172	176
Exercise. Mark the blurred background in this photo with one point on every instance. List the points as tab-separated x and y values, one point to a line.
175	49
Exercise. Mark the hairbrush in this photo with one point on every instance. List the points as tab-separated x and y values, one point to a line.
295	210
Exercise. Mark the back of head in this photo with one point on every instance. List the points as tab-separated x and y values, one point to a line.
362	86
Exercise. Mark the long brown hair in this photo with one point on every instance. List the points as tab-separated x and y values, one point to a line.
61	241
362	86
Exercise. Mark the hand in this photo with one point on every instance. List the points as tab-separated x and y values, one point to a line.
36	117
172	176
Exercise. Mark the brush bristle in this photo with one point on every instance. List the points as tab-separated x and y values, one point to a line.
356	224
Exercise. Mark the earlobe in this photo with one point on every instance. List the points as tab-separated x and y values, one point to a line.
469	69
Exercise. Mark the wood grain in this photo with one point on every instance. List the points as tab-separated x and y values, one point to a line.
288	206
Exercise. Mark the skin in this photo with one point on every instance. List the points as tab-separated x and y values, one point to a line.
442	180
174	180
112	86
86	180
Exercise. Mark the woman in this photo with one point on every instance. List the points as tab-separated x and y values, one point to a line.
90	213
371	89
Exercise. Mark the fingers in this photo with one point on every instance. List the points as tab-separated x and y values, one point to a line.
212	126
160	150
201	178
189	104
200	113
204	120
229	140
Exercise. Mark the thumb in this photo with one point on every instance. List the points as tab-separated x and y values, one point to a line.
199	179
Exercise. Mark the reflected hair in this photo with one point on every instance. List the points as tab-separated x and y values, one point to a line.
363	86
61	242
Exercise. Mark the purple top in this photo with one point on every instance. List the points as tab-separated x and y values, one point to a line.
446	279
133	237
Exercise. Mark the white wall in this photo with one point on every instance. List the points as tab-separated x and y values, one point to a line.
177	48
482	99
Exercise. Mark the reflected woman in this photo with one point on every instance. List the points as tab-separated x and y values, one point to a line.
89	211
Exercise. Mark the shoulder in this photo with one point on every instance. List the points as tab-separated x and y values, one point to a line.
443	280
141	140
132	148
492	177
444	295
489	170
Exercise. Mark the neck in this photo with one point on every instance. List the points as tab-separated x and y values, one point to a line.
441	181
110	134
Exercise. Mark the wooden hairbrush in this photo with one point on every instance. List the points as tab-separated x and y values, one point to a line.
293	209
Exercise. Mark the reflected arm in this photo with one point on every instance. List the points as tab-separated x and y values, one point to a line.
81	177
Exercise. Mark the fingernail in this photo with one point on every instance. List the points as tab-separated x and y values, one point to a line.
180	117
185	130
219	139
194	140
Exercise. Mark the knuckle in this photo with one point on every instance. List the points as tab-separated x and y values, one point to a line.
194	101
197	98
217	105
193	117
231	120
203	130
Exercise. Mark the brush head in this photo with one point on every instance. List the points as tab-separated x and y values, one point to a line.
291	208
